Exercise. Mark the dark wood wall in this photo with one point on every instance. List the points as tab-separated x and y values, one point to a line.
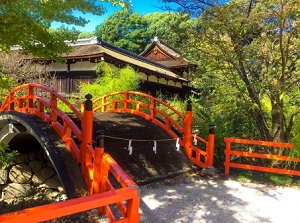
67	83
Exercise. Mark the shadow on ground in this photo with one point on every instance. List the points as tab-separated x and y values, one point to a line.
143	165
201	200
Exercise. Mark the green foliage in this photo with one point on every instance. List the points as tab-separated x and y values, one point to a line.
133	32
111	79
65	108
6	156
175	102
295	139
5	85
84	35
170	27
27	24
65	32
248	68
124	29
266	178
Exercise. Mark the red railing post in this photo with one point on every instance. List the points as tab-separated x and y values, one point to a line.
187	130
126	99
99	150
103	101
11	105
87	134
211	145
132	211
152	109
53	104
227	156
29	97
20	103
98	170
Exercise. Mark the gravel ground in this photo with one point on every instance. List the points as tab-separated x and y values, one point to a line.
198	199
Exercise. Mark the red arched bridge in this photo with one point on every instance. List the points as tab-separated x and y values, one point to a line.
148	139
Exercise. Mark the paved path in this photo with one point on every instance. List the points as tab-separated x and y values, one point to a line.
201	200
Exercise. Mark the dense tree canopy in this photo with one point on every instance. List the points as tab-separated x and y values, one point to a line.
169	26
133	32
250	65
194	7
124	29
26	23
85	35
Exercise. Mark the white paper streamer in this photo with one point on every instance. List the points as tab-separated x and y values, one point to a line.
177	144
195	140
154	147
130	147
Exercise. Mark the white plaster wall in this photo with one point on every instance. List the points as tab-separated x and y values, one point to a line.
143	76
171	83
58	67
152	78
82	65
163	81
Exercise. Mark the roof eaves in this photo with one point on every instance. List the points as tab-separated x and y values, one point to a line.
130	54
146	63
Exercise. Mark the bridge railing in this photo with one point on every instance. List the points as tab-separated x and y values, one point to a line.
109	186
42	101
128	195
97	167
233	151
164	116
146	106
102	173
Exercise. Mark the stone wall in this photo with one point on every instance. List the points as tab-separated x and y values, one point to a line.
32	176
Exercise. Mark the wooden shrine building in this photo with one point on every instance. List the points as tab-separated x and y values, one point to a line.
161	68
170	57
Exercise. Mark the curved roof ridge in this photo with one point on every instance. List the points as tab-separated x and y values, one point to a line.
170	47
130	54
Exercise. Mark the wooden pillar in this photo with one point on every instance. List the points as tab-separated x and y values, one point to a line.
87	134
187	131
211	145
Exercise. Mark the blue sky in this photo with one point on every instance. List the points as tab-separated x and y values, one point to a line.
140	6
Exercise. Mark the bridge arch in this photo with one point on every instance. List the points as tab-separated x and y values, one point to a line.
20	128
176	125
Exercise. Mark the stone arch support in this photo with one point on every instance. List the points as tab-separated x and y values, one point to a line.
19	128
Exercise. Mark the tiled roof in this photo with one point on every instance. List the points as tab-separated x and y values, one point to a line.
94	47
98	46
172	52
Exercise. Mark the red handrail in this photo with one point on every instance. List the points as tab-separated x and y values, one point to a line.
230	164
95	164
64	208
30	101
164	116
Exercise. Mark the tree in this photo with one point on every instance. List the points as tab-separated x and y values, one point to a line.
27	23
194	7
170	27
84	35
63	31
134	32
112	79
24	70
252	62
126	30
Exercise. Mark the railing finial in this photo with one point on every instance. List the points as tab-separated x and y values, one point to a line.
88	104
189	105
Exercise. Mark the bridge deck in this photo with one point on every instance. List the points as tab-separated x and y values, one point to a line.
143	165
